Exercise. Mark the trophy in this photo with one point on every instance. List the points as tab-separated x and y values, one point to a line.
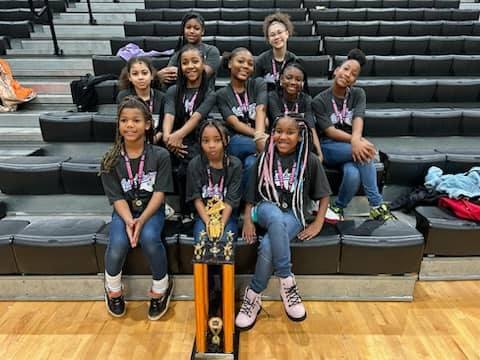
214	336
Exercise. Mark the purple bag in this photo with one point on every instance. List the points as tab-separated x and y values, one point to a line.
133	50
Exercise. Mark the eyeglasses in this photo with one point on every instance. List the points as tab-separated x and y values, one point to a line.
273	34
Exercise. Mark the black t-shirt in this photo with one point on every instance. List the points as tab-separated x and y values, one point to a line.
156	107
264	67
198	183
315	185
229	105
203	108
324	112
157	176
278	105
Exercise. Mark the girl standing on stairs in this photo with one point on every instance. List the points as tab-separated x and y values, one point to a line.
137	78
277	28
135	176
285	178
339	111
192	31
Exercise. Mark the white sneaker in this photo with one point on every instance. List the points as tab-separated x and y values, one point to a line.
291	299
251	306
334	214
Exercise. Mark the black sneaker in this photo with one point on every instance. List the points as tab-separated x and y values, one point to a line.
115	305
159	306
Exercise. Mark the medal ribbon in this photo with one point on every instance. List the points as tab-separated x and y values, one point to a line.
275	73
286	111
139	171
243	105
341	116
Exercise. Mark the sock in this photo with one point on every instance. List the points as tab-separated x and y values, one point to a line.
160	286
113	283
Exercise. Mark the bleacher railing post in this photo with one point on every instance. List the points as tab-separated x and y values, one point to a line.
92	20
46	10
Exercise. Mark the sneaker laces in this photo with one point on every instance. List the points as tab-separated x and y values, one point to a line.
116	300
293	297
155	303
247	306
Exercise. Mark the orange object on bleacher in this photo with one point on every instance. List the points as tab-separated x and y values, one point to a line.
11	92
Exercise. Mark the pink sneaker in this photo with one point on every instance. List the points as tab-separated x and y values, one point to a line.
291	299
251	306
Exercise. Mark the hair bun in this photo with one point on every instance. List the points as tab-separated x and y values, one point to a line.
357	54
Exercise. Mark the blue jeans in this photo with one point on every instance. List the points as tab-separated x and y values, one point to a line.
339	154
274	248
150	242
230	226
244	148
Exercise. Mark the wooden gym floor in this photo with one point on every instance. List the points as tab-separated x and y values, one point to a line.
442	323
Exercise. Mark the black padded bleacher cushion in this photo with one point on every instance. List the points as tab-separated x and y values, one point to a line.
3	209
8	228
104	127
466	65
32	175
245	256
137	263
65	126
409	166
57	246
464	90
107	92
317	256
413	90
107	64
447	235
17	29
80	176
375	247
436	123
460	161
432	65
4	44
471	123
387	123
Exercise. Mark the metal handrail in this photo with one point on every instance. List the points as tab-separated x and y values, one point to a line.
46	10
92	20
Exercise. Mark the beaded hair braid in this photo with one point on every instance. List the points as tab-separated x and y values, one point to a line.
266	184
110	159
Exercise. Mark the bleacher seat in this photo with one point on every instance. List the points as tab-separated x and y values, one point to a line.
80	176
447	235
104	127
407	166
315	66
55	5
8	229
106	92
381	45
394	28
318	256
387	123
32	175
137	263
413	90
471	45
117	43
4	44
393	65
376	91
460	161
408	45
339	45
444	45
16	29
432	65
465	90
436	123
3	209
331	28
66	126
471	123
57	246
107	64
376	247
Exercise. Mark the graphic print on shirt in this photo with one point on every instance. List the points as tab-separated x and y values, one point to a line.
286	179
348	118
252	112
148	182
210	191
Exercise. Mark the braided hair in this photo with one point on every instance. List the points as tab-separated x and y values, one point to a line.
266	183
297	64
225	139
181	84
110	158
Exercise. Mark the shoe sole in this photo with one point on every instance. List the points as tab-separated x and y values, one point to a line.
293	318
246	328
111	312
153	318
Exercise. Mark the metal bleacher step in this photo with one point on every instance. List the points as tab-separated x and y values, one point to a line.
50	66
79	32
49	86
20	134
101	18
69	47
20	119
123	7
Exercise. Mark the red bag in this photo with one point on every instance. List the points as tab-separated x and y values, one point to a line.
462	208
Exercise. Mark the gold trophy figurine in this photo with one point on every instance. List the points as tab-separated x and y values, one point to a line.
215	225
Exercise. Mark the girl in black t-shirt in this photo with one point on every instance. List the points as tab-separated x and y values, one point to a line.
277	28
286	176
187	103
192	30
135	176
138	79
292	96
214	173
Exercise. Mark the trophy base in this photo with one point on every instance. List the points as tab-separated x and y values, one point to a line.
218	355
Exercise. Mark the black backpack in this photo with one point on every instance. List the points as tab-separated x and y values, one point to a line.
83	91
